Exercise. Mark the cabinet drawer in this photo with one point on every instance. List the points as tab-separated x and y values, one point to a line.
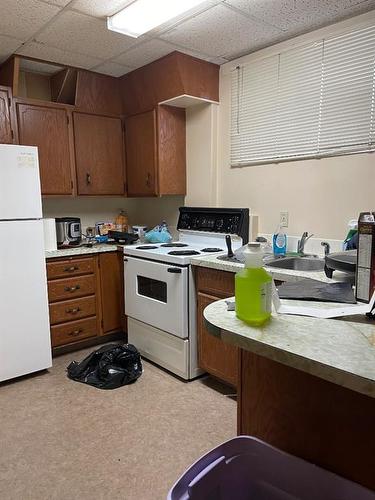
71	288
73	331
69	310
74	267
216	282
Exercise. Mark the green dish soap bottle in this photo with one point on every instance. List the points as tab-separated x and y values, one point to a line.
253	288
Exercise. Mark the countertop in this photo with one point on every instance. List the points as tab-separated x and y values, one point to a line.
81	250
212	262
342	352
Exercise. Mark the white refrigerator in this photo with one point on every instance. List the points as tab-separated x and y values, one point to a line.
25	345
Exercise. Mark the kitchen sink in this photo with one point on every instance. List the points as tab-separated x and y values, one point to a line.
297	263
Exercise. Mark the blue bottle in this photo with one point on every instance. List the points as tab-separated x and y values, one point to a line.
279	242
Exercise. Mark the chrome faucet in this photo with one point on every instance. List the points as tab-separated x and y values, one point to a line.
302	242
327	247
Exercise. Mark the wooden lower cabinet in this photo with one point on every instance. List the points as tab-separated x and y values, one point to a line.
112	291
319	421
85	298
215	356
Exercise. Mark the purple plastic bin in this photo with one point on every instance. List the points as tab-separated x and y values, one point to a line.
245	468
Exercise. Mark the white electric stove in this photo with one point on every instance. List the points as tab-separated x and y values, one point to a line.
160	299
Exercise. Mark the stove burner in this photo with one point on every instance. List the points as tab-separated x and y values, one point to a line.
146	247
166	245
212	250
183	252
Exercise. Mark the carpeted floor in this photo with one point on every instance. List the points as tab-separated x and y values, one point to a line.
60	439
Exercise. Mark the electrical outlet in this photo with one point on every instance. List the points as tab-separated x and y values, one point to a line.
284	219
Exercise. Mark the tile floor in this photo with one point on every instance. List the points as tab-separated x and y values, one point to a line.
60	439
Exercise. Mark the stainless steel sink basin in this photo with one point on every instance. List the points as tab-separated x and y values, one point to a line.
297	263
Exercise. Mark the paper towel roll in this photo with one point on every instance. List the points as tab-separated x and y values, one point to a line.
49	228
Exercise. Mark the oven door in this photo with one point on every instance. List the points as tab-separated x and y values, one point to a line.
157	294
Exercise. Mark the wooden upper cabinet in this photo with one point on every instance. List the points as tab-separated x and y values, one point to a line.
48	128
141	152
171	132
99	153
170	76
97	93
156	152
6	134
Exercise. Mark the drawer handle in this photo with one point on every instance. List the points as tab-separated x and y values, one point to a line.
72	311
72	288
74	333
71	269
88	179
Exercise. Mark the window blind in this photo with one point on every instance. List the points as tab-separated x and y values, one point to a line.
311	101
347	92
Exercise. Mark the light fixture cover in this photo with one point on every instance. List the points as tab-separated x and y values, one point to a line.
144	15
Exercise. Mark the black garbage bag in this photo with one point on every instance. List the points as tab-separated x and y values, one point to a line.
109	367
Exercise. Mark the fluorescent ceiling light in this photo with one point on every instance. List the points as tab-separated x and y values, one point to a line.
144	15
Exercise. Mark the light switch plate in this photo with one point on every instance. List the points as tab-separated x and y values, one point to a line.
284	219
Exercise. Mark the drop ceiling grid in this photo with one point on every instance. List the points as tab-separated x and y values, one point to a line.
73	32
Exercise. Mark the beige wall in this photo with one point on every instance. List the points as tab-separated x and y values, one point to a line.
201	155
92	209
320	195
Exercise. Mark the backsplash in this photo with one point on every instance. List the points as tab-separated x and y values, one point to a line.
313	245
148	211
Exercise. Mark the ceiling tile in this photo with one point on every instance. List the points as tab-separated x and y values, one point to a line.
295	16
83	34
112	69
60	3
53	54
8	46
100	8
220	31
145	53
22	18
218	60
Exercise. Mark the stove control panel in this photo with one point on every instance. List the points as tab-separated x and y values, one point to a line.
216	220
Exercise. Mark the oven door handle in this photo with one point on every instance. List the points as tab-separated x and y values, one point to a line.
174	270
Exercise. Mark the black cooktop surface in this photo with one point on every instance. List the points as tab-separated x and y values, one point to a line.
183	252
174	245
146	247
213	249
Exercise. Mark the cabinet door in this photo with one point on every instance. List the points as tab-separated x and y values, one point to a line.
171	150
112	291
99	151
215	356
6	134
48	128
141	154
